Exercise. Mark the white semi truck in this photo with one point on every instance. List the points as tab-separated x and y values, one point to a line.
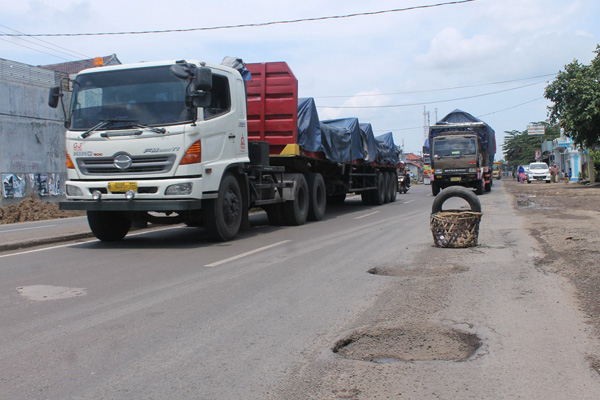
193	142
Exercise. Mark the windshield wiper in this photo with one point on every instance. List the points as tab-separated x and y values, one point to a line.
153	129
103	123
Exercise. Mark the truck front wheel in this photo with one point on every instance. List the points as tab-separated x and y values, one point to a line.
108	226
223	215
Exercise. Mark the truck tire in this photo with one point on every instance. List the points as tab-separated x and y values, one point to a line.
435	188
223	215
386	188
488	187
479	187
378	195
455	191
108	226
295	212
317	194
393	186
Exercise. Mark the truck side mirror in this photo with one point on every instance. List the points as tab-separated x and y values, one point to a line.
53	96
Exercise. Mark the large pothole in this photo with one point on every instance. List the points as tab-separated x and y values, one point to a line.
420	343
403	270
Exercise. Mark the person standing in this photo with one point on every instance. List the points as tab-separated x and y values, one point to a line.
552	173
521	172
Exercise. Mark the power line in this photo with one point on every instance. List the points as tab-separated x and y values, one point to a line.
435	90
73	54
260	24
436	101
479	116
38	50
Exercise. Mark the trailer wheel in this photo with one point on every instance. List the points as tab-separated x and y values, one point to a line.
317	194
378	195
455	191
435	188
386	188
108	226
223	215
295	211
393	185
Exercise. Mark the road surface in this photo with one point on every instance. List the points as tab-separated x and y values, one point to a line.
166	314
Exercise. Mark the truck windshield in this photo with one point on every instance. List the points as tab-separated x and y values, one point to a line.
454	146
149	96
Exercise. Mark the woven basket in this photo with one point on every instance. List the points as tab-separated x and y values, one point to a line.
454	228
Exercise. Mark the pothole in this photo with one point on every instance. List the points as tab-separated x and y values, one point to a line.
403	270
422	343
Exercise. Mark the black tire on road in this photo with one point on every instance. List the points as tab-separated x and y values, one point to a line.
455	191
223	215
108	226
393	185
295	212
378	195
435	188
386	188
317	194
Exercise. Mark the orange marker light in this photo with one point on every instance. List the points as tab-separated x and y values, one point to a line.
193	155
69	162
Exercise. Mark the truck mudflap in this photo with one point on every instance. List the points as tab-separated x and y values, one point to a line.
137	205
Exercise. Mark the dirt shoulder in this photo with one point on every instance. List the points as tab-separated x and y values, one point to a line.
565	220
33	210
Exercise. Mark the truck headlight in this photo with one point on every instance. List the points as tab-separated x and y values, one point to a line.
73	191
179	189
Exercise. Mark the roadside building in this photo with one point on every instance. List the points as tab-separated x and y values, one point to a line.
32	150
568	156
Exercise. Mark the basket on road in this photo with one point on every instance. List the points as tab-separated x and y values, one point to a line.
455	228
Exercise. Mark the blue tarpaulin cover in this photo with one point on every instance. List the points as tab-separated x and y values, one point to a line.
342	140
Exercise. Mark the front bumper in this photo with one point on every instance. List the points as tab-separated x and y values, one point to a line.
131	205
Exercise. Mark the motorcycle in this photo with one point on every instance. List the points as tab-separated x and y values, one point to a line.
403	184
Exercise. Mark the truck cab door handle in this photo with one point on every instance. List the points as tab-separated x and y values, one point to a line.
231	136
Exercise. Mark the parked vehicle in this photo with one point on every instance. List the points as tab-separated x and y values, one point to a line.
195	142
462	152
538	171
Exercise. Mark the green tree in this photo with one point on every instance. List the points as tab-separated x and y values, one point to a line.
519	147
576	96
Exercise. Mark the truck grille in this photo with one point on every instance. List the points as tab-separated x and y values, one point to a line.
154	164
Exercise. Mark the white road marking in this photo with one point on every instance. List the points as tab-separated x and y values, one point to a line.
248	253
24	229
367	215
409	201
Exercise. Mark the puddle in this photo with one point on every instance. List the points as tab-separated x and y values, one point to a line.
403	270
47	292
422	343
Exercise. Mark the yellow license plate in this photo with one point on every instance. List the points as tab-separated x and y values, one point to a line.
120	187
455	179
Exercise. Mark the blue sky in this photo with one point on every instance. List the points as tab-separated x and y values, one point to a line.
491	58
